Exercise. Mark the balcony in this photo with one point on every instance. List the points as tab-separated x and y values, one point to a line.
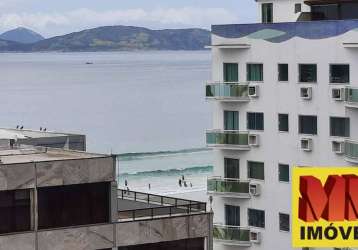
351	151
228	139
351	97
232	188
232	235
228	92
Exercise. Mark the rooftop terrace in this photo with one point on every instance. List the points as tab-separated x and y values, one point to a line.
8	133
134	206
27	154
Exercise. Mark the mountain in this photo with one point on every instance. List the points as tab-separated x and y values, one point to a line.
111	38
21	35
10	46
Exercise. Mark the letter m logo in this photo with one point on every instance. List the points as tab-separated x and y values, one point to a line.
329	201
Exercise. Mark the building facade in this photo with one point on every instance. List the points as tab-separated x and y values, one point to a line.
284	94
62	199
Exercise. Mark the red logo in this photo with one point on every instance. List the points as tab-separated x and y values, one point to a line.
336	200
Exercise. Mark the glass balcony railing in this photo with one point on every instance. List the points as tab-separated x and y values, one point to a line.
352	96
229	187
227	138
228	91
232	235
351	150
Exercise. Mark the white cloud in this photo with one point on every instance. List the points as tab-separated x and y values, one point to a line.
59	23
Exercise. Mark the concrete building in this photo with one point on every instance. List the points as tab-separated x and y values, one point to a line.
55	199
43	138
285	93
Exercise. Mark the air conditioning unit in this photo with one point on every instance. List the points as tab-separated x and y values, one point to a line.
306	93
338	94
338	147
255	189
255	237
254	91
306	144
254	140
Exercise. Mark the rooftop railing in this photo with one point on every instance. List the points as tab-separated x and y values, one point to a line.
157	206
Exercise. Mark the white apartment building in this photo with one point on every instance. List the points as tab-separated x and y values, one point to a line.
285	94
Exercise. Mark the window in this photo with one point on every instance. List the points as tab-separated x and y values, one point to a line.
232	215
340	126
255	72
15	211
255	121
231	120
232	168
340	11
284	220
308	73
231	72
339	73
283	72
256	218
283	122
267	12
298	7
256	170
73	205
307	124
284	172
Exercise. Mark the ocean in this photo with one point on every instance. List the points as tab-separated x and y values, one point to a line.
148	107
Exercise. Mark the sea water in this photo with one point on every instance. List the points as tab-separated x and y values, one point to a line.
125	102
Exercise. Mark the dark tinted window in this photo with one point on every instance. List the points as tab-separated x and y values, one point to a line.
232	168
255	72
340	126
339	73
325	12
283	72
308	73
284	222
255	121
284	172
232	215
64	206
283	122
256	218
267	12
308	124
256	170
15	211
298	7
231	72
231	120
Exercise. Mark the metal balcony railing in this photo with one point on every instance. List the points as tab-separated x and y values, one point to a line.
233	235
227	138
229	187
227	91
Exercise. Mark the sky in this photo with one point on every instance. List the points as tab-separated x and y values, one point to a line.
58	17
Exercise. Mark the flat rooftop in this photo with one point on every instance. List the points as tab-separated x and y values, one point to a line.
8	133
27	154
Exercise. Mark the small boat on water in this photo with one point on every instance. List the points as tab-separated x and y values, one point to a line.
89	63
